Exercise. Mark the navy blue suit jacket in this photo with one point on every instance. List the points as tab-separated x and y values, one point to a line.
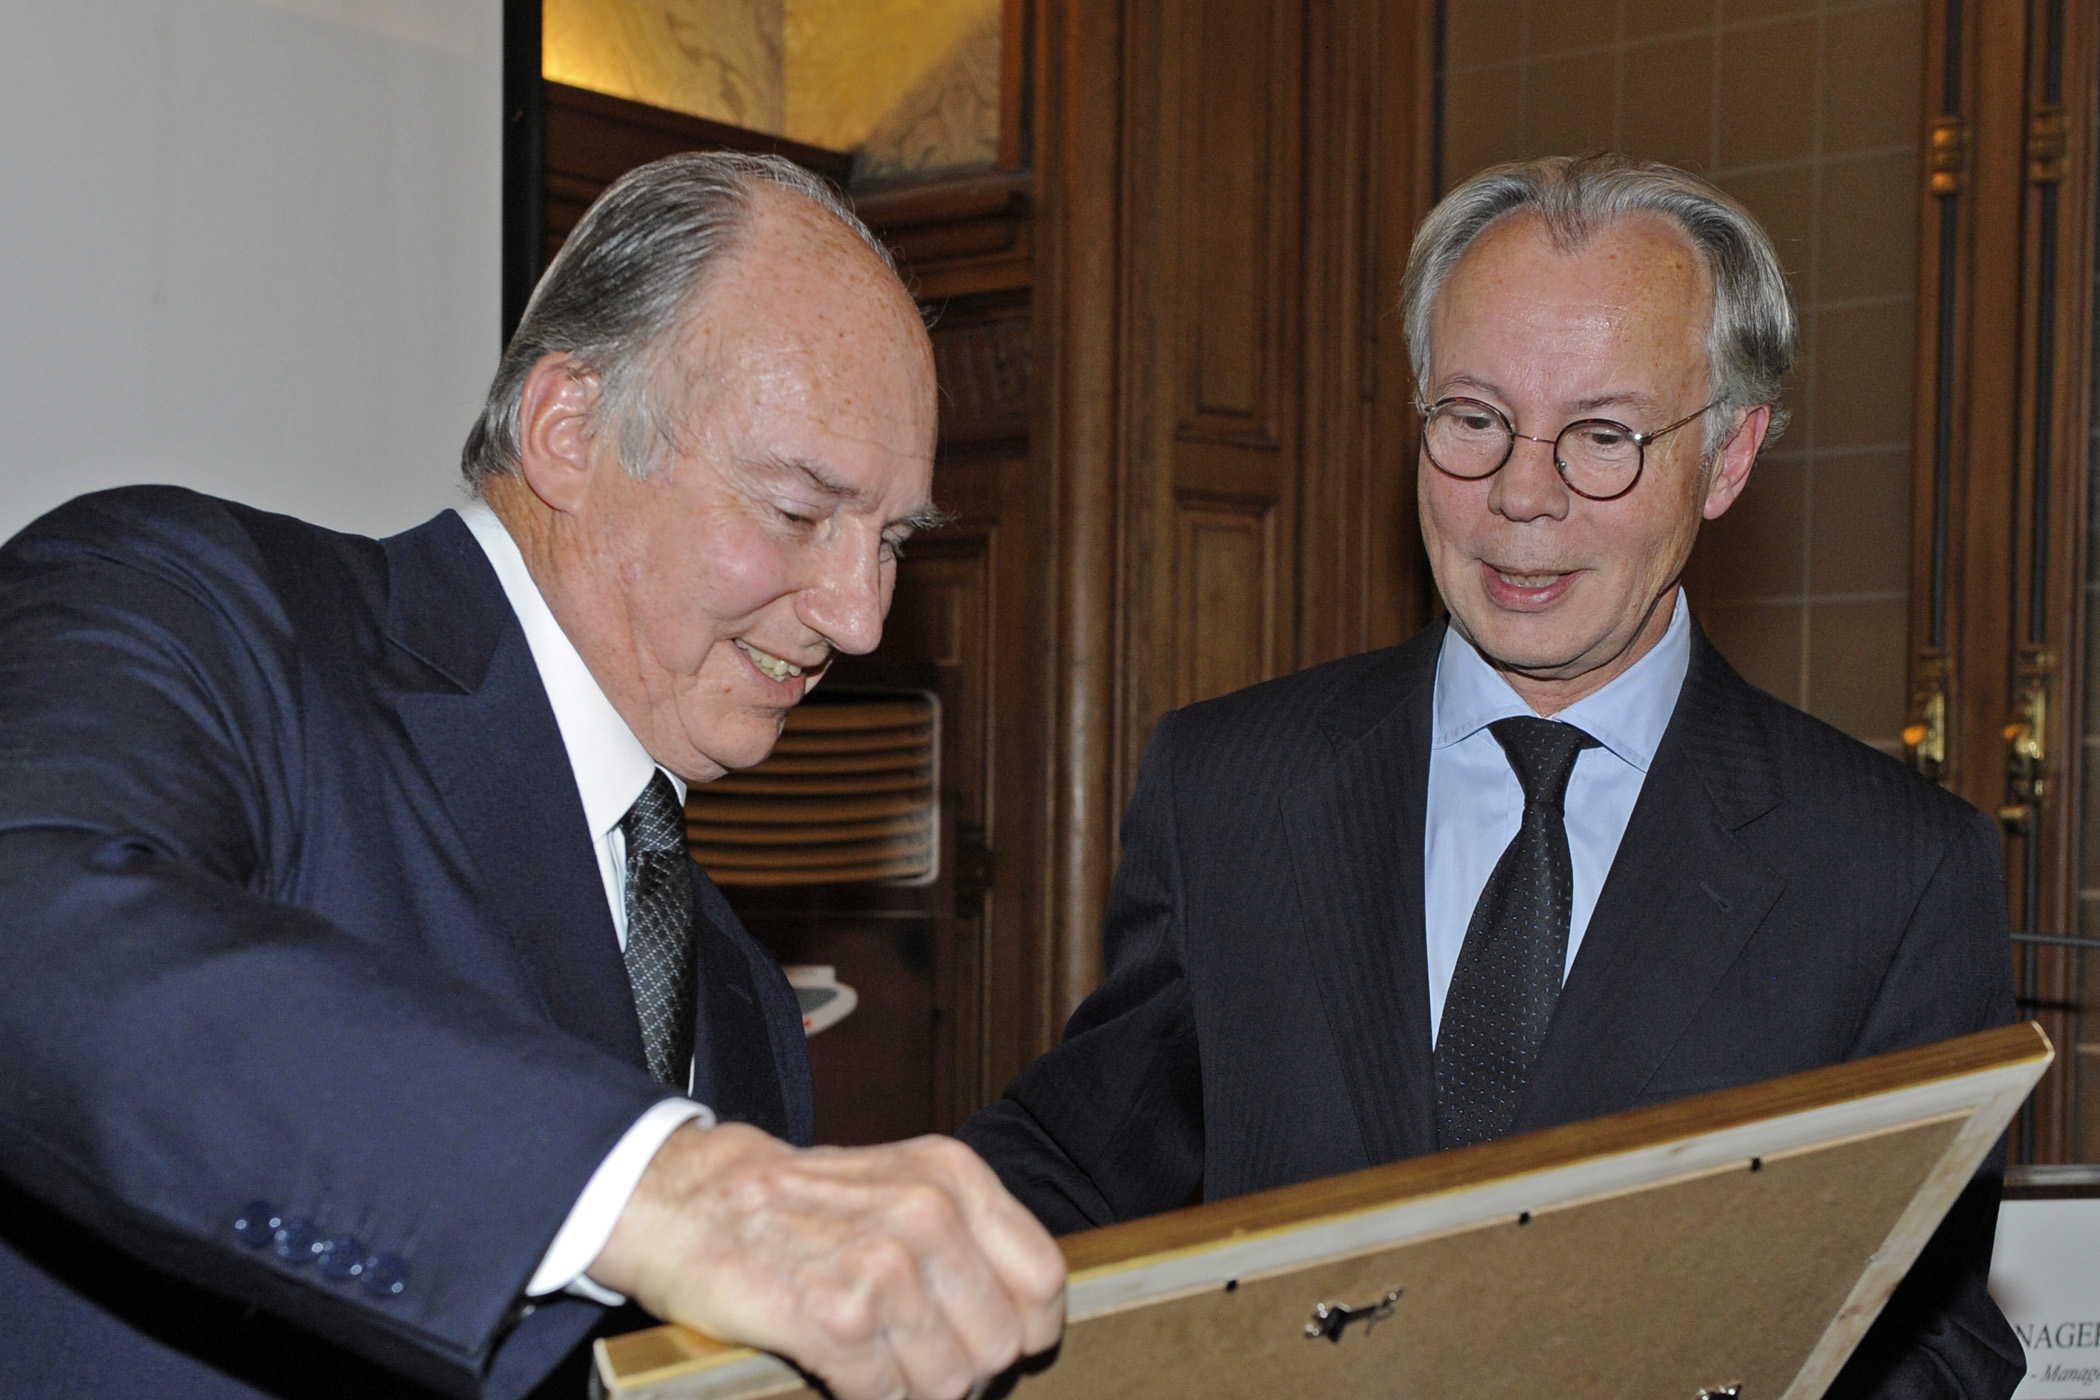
1783	898
297	904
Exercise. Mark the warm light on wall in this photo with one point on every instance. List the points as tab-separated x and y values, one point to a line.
851	64
719	59
910	84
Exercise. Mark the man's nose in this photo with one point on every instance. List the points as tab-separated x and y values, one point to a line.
1529	486
850	596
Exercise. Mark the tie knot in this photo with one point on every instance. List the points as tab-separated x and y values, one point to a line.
654	825
1542	754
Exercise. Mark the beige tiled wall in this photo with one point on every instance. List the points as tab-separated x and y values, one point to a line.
1808	113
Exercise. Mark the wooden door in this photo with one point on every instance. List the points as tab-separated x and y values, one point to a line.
1226	191
2003	500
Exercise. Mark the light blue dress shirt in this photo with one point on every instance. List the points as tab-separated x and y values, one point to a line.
1476	803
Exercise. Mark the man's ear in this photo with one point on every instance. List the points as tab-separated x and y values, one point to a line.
554	430
1730	471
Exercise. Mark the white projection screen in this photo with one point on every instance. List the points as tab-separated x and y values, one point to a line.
250	247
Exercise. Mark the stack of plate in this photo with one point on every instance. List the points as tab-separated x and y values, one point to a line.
849	793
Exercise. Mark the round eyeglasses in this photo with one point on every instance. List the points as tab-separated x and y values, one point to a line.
1600	460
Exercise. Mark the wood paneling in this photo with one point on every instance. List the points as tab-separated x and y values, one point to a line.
1225	574
1235	239
984	369
1079	273
1277	161
1216	214
947	598
593	139
2003	491
1370	94
956	237
875	1072
1218	483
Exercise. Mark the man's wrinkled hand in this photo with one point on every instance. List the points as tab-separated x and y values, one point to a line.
901	1270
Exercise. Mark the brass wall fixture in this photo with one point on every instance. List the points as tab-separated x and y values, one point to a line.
1926	738
2027	740
2045	145
1946	155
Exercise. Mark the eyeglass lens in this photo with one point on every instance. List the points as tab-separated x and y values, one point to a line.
1596	457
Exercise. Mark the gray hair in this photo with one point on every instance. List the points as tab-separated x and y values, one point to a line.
1750	342
621	287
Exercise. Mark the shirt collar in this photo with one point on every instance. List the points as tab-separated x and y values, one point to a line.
1627	716
610	764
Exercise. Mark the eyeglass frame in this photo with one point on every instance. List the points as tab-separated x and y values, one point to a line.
1560	466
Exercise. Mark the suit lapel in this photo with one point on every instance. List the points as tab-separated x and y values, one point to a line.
490	746
734	1069
1354	832
1683	897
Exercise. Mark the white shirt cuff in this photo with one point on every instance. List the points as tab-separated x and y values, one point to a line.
591	1220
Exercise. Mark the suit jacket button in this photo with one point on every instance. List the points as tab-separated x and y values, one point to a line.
386	1276
257	1223
343	1258
118	857
296	1239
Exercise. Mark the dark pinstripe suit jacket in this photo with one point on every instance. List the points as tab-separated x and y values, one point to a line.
1784	898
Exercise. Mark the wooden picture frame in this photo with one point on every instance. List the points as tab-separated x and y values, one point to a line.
1739	1243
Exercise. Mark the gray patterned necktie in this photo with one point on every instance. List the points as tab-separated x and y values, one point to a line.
660	952
1507	981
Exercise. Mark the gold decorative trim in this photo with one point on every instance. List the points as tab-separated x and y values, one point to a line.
1927	737
2045	146
1946	155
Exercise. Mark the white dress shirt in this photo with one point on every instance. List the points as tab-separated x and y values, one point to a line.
1476	802
611	769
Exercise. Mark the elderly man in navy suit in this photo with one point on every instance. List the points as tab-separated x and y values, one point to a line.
1552	858
367	1029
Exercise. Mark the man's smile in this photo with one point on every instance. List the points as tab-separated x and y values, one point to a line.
769	665
1526	589
778	668
1519	580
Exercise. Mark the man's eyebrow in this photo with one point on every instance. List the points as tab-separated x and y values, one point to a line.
815	475
927	517
1631	398
1467	381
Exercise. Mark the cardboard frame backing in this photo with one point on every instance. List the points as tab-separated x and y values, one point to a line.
1744	1239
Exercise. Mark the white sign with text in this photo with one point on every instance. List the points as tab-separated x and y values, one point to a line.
2045	1274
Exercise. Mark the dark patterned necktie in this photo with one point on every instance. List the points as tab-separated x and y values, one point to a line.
1507	981
660	949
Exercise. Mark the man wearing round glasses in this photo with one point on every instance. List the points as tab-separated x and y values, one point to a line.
1557	526
1552	858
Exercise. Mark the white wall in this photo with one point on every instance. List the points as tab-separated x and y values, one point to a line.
249	246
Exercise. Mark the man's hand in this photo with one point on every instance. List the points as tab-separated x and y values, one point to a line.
903	1270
